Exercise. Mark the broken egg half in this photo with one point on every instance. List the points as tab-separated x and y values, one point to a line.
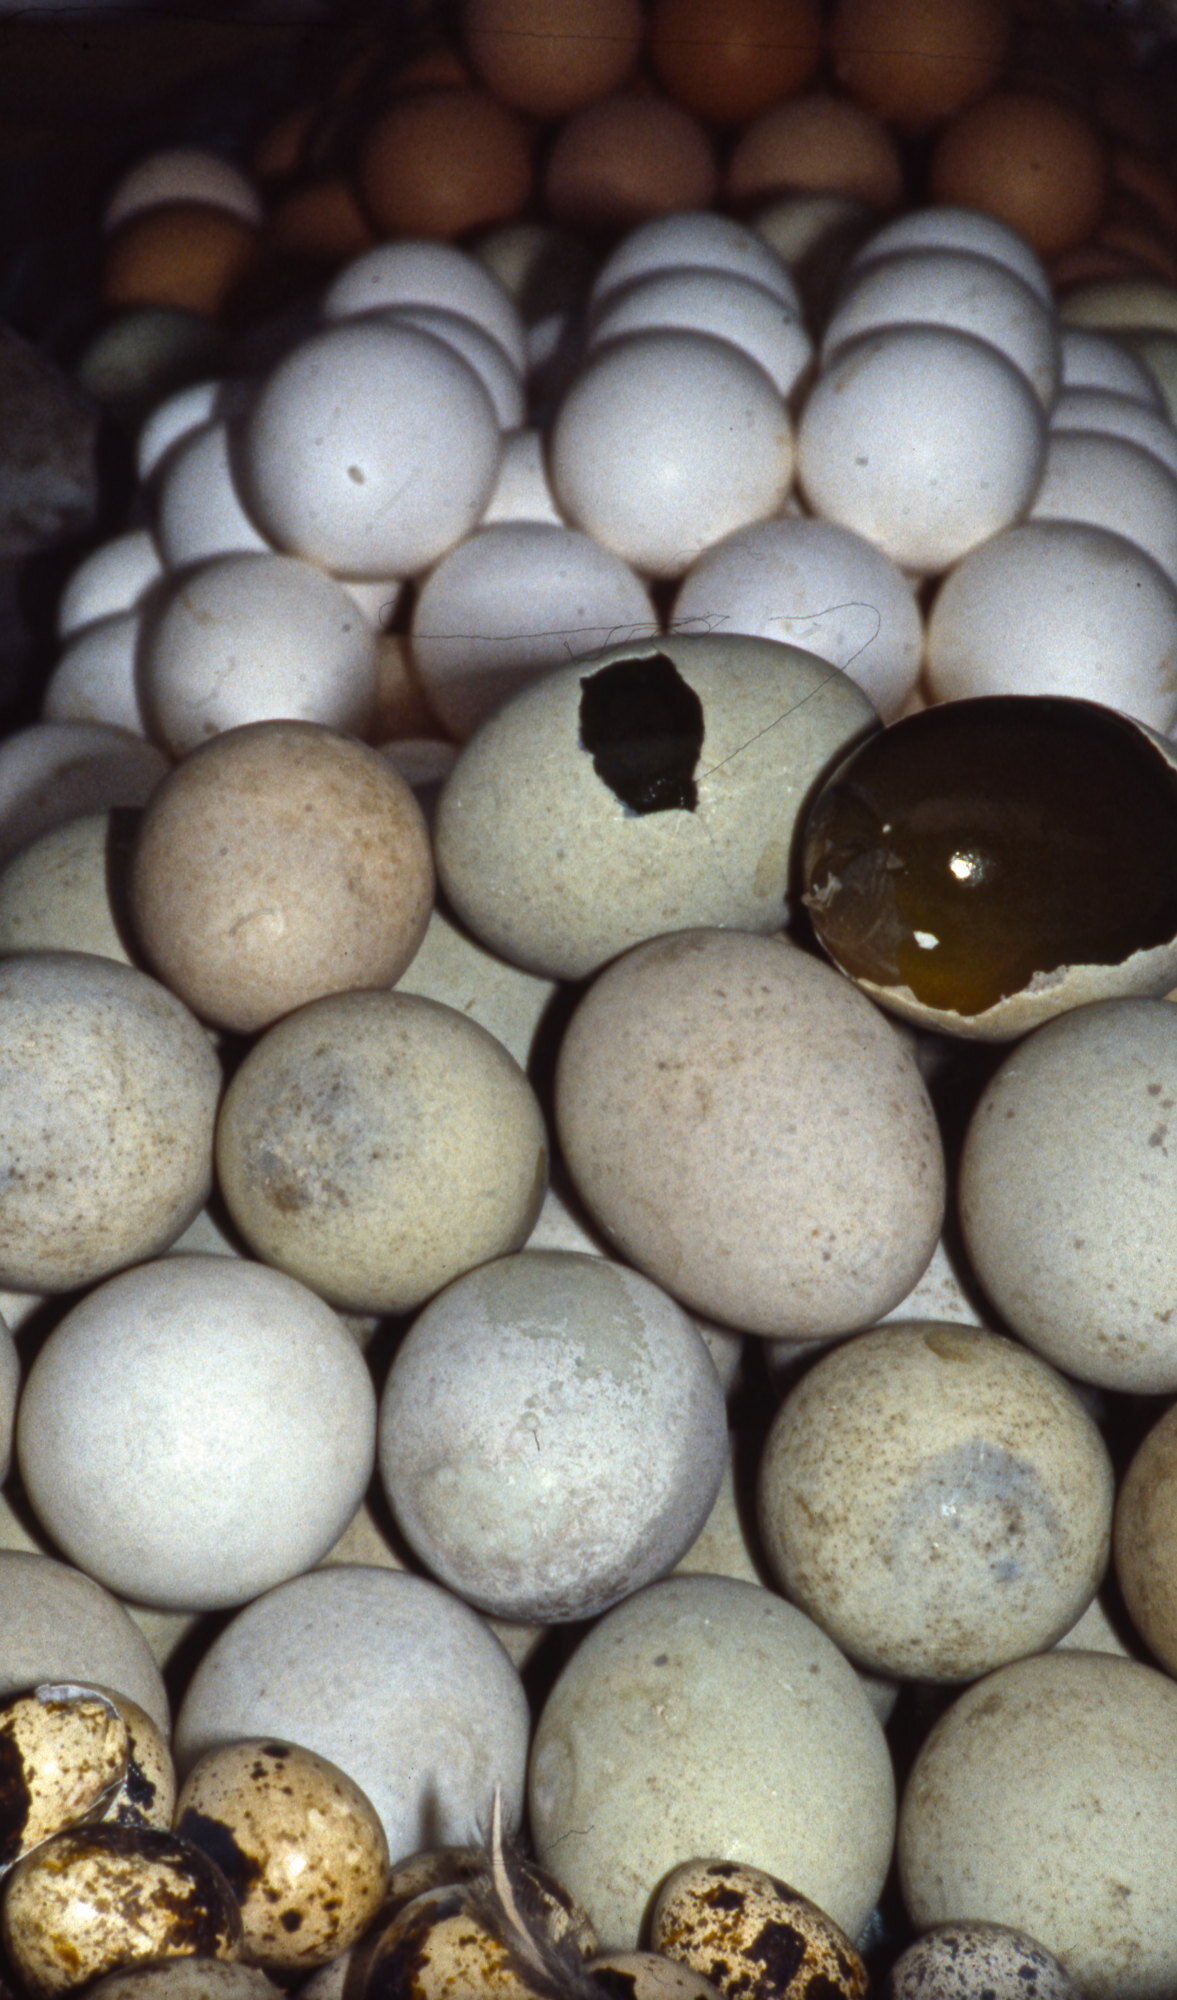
984	865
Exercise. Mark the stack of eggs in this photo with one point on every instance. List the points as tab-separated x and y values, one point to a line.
591	618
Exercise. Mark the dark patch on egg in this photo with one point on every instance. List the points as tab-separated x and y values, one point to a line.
642	724
15	1798
215	1839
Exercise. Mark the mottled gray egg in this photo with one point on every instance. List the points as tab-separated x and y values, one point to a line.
753	1936
978	1961
96	1897
300	1844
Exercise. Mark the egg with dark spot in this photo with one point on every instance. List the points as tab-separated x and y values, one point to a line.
300	1844
752	1936
648	1975
963	1961
63	1753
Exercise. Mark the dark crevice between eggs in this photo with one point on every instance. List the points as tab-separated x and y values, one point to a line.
643	727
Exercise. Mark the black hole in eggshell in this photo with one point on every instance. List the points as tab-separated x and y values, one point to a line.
643	727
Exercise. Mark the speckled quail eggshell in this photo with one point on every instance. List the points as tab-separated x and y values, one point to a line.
973	294
1067	1180
371	449
658	492
248	638
448	1947
89	1900
61	1625
814	585
962	1961
96	679
647	1975
552	1435
64	1749
301	1846
280	861
112	578
109	1093
199	509
421	1706
544	861
1078	1753
53	771
376	1145
923	439
755	1935
937	1499
511	602
171	1434
707	1716
420	272
146	1793
1058	607
793	1185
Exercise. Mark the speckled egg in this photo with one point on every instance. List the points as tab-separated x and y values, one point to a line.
60	1625
652	787
88	1900
754	1936
976	1961
300	1844
63	1751
647	1975
197	1978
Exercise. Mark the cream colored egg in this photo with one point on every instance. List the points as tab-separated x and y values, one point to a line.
301	1846
753	1934
937	1499
9	1388
453	968
376	1145
66	890
54	771
60	1625
107	1103
1066	1182
1146	1521
652	788
706	1716
1078	1753
796	1185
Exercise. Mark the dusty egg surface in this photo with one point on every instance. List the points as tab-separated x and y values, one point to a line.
653	787
552	1435
300	1844
987	864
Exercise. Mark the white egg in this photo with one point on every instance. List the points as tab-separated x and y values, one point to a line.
371	449
199	511
487	356
753	318
113	577
1094	360
183	173
817	586
95	676
665	443
923	439
181	413
1113	415
951	288
422	273
966	229
1111	483
513	599
1058	607
699	240
522	491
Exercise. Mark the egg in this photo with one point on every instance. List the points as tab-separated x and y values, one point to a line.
749	315
985	904
442	162
88	1900
200	510
625	158
425	273
1144	1536
548	57
95	678
115	577
1112	415
376	1145
957	1961
917	61
300	1845
1029	160
179	253
970	231
52	771
697	240
61	1625
182	173
734	65
1093	360
755	1936
647	1975
1111	483
819	142
64	1751
490	362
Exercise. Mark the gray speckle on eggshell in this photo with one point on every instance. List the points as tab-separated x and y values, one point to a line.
963	1961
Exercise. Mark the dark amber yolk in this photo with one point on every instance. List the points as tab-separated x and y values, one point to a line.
968	847
643	727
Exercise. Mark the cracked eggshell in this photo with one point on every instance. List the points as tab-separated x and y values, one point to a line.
754	1935
63	1751
545	861
300	1844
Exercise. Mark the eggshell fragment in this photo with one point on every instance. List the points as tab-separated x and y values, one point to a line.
375	1145
799	1188
422	1708
301	1846
305	870
706	1716
64	1750
1079	1752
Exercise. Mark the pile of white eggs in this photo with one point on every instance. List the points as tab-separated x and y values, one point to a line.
737	548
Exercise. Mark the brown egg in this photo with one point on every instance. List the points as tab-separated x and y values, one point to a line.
1145	248
1035	164
753	1936
63	1753
436	68
625	159
279	150
732	62
180	253
917	61
819	142
300	1844
551	56
443	162
1145	1539
1153	187
321	219
88	1900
